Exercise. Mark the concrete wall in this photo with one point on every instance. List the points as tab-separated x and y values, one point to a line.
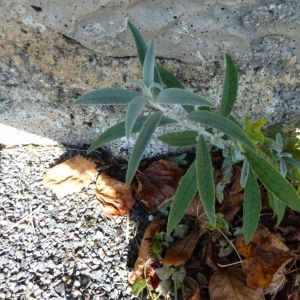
53	51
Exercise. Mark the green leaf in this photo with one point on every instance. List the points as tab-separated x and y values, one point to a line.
138	286
205	179
230	87
134	108
141	144
273	180
222	124
118	131
107	96
148	66
251	207
185	193
182	97
179	139
277	206
170	81
244	173
139	42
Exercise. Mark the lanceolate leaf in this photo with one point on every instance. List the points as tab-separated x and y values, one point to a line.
132	113
185	193
277	206
273	180
230	87
205	179
182	97
168	78
148	66
142	49
107	96
179	139
170	81
139	42
141	144
222	124
251	207
118	131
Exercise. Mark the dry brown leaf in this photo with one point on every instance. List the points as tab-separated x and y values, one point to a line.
191	289
182	251
196	209
145	248
115	197
70	176
265	256
236	186
230	284
158	183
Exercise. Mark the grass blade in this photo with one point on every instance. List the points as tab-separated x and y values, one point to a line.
134	108
185	193
205	179
107	96
251	207
222	124
141	144
273	180
230	87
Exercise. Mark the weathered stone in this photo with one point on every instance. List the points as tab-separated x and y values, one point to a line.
44	66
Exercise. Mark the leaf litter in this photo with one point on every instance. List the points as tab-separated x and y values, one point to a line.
267	268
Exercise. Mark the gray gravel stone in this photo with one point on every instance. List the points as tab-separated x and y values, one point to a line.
54	248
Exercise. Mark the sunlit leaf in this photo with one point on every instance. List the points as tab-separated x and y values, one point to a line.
230	87
265	256
141	144
182	97
277	206
134	108
138	286
273	180
222	124
118	131
179	139
205	179
107	96
148	66
184	195
251	207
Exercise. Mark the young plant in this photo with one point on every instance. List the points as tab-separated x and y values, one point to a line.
205	129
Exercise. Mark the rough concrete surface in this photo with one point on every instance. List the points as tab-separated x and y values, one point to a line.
53	51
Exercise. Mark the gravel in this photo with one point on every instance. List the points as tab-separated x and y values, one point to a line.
59	248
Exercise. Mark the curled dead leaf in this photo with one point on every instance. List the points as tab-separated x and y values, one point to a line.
158	183
182	251
71	176
145	247
265	256
230	284
115	197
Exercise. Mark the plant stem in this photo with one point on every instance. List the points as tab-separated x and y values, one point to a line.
199	129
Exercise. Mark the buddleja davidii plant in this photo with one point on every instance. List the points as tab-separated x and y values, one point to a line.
205	128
